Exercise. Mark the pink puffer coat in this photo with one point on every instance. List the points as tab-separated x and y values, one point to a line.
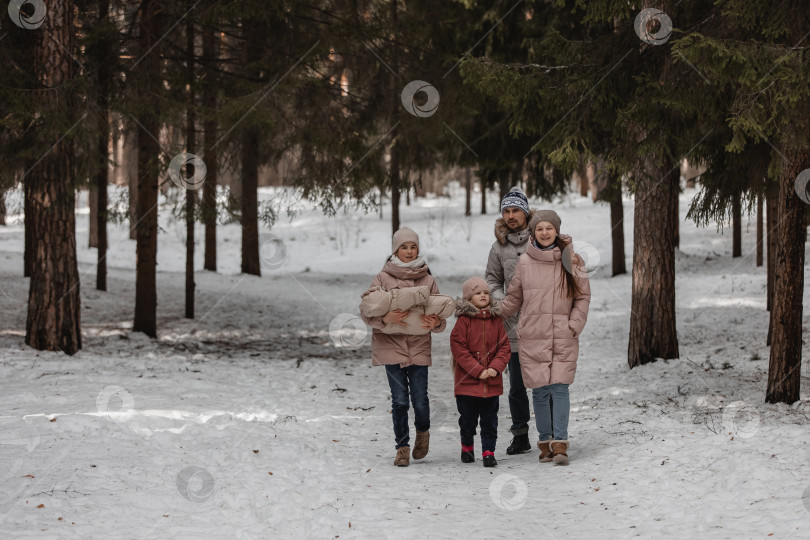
401	349
550	321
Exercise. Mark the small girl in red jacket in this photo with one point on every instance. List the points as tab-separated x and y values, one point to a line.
481	350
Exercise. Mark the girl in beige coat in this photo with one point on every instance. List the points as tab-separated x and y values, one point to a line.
406	357
552	296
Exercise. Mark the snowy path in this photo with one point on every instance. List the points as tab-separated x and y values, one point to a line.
250	423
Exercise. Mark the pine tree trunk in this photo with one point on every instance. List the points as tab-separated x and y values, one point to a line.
653	331
483	198
394	171
736	225
249	219
28	249
784	371
2	206
190	148
132	188
467	191
583	180
676	215
394	100
251	263
772	218
146	224
54	303
105	78
92	204
759	230
614	191
210	157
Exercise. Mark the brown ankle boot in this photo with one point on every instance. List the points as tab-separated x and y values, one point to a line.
546	455
560	450
403	458
422	444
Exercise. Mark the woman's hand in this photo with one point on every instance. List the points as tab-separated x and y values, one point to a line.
395	317
429	322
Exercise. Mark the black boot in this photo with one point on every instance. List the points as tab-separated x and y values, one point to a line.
467	457
489	461
519	445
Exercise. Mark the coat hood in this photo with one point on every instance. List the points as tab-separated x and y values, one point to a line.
465	307
504	234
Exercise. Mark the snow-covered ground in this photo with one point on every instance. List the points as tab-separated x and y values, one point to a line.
264	418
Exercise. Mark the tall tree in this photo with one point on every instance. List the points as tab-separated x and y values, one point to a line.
771	77
190	148
208	210
249	214
53	300
148	73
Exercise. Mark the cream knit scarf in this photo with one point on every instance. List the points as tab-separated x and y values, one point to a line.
416	263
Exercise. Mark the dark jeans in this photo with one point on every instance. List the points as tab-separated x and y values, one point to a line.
518	398
472	408
400	380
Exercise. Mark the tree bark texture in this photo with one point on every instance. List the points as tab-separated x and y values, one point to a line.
54	302
190	148
760	251
208	210
614	192
736	225
653	332
146	224
784	371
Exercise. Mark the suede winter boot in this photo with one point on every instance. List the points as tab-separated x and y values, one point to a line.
546	455
422	444
403	458
560	451
519	445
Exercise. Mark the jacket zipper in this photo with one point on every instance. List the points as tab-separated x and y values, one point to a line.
486	356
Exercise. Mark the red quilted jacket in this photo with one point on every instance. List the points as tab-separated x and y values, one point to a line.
478	341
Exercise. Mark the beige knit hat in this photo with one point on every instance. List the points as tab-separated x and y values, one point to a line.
473	286
544	215
403	235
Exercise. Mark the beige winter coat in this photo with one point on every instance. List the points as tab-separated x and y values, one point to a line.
550	321
417	301
401	349
501	264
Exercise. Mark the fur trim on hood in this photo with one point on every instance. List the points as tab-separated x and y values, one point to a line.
502	231
465	307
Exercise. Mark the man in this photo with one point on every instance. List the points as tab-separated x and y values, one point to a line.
511	239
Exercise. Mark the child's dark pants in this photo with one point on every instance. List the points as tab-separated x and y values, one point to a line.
470	409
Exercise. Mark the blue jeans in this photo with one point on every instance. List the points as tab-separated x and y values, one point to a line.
518	399
545	417
400	380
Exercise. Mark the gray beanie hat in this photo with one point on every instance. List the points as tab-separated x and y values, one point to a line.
544	215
